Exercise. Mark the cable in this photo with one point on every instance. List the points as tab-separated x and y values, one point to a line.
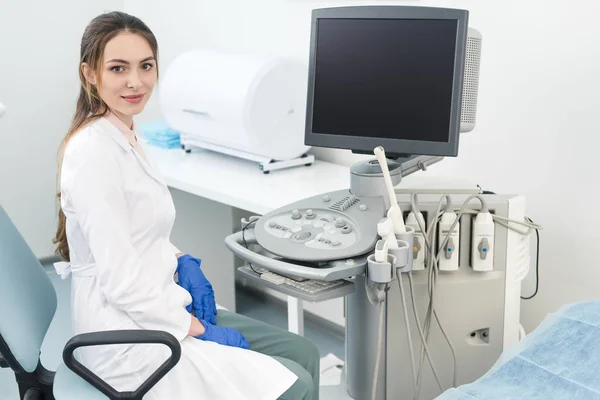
503	221
413	367
454	359
429	240
432	273
412	294
537	229
378	358
514	221
512	228
537	265
532	225
432	278
246	244
433	259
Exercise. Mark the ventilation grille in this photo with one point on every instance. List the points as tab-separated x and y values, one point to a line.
345	203
471	81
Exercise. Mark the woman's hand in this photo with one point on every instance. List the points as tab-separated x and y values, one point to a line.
196	328
192	279
223	335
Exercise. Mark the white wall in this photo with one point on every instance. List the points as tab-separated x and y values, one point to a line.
537	130
39	56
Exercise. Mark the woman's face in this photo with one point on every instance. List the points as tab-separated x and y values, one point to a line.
128	77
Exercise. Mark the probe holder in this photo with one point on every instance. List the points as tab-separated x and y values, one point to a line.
404	253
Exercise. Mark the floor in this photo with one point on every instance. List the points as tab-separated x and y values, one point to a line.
248	304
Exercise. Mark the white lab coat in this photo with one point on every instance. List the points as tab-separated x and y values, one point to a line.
119	218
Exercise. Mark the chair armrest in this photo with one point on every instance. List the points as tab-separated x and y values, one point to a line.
122	337
3	362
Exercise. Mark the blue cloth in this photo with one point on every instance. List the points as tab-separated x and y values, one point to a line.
559	360
223	335
160	134
192	279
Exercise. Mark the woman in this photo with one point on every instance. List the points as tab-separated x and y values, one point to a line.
114	227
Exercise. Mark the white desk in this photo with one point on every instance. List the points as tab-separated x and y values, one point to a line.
239	183
209	175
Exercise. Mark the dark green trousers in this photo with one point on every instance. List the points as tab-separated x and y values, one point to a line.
295	352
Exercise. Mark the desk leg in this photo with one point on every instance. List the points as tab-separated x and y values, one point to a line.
295	315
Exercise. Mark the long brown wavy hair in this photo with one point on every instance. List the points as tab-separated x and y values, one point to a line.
89	104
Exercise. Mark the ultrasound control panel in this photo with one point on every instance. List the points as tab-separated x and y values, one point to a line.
332	226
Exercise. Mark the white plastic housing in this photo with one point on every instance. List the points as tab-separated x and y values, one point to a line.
482	248
249	103
420	248
452	246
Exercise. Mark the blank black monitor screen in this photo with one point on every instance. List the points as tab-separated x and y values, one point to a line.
384	78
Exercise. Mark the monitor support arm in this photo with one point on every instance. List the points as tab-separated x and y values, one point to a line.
411	165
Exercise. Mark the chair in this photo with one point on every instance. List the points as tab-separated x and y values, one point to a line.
27	306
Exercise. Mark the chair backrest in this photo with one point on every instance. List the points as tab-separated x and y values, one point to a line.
27	296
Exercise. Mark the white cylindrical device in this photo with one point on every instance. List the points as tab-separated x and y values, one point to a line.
419	248
448	257
482	247
248	103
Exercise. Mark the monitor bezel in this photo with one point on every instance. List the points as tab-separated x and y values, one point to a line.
400	147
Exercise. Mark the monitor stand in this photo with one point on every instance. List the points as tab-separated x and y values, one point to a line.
409	163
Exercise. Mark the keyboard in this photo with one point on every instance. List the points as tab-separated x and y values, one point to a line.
310	289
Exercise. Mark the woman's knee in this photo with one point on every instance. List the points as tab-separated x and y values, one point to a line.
305	350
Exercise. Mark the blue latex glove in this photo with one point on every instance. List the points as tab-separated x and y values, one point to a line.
192	279
224	336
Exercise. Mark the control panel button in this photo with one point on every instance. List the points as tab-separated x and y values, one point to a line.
362	207
310	214
340	223
326	199
272	224
335	243
347	229
302	236
296	214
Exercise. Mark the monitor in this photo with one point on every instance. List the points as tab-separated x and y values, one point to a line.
388	76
